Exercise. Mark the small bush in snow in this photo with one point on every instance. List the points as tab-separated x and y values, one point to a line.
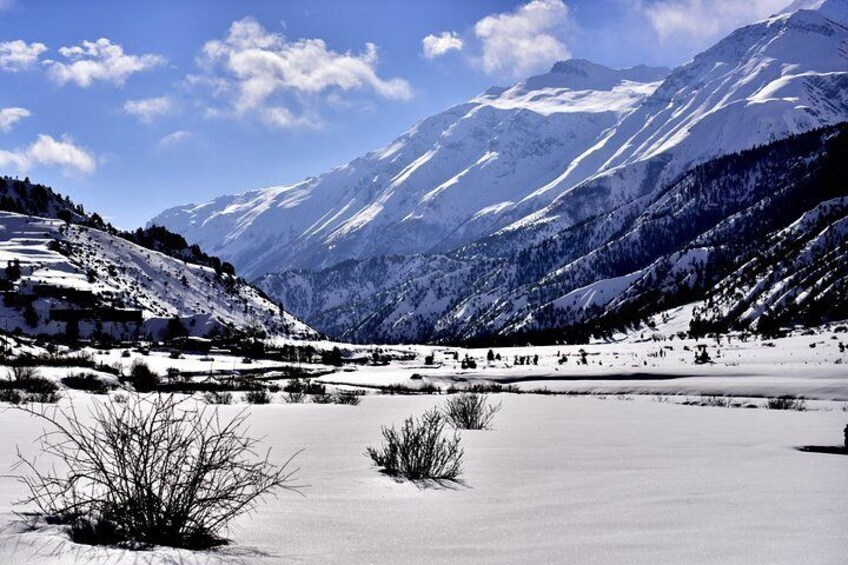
295	397
419	450
786	403
218	397
119	398
470	411
23	373
148	472
88	382
347	397
11	396
143	379
340	397
304	386
260	396
29	388
326	398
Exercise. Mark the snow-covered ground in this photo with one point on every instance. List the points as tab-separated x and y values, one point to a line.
812	366
559	480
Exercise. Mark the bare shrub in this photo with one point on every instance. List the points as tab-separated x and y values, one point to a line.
148	472
295	397
23	373
786	403
11	395
88	382
25	384
470	411
347	397
326	398
143	379
304	386
419	450
218	397
259	396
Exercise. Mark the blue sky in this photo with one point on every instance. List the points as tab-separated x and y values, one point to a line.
133	107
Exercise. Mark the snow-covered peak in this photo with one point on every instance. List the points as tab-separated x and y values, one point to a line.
580	74
577	85
835	10
548	151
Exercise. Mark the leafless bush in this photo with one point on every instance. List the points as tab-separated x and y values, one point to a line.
339	397
142	377
25	384
259	396
470	411
119	398
347	397
88	382
11	396
295	397
148	472
23	373
419	450
786	403
218	397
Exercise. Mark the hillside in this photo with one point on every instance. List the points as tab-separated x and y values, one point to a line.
69	273
543	154
758	220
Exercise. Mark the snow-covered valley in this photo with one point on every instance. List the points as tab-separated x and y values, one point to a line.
600	478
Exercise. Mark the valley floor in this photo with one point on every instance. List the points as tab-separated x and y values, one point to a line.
607	477
560	479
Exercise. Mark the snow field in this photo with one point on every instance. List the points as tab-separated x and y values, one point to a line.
559	480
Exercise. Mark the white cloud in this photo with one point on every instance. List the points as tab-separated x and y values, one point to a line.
45	150
437	45
12	159
525	40
148	109
99	60
19	55
60	153
6	5
10	116
704	20
174	138
255	70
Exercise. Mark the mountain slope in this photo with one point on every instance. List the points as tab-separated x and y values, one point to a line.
422	191
737	222
543	154
69	277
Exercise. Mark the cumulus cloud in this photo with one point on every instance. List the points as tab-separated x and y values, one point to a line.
148	109
255	69
704	20
10	116
174	138
525	40
46	150
19	55
12	159
437	45
61	153
99	60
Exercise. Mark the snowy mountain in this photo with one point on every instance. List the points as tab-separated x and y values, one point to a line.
565	201
66	276
760	234
420	192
